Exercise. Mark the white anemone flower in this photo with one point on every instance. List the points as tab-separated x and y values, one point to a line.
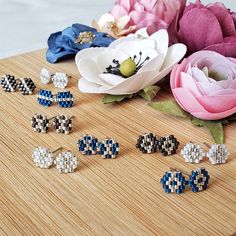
128	65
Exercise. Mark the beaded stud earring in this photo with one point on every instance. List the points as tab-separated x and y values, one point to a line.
168	145
66	162
147	143
8	83
87	145
40	123
64	99
199	180
26	86
42	157
193	153
63	124
60	80
45	76
174	182
108	148
45	97
218	153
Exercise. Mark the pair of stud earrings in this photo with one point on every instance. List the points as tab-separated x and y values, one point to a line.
25	85
89	145
62	123
63	99
150	143
174	181
59	79
66	162
194	153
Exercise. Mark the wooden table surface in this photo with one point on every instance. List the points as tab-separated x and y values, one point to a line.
122	196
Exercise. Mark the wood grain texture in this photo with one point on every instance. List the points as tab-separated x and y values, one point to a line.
103	197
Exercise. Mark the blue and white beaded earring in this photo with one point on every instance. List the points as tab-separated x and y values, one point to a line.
45	97
174	181
87	145
199	179
64	99
108	148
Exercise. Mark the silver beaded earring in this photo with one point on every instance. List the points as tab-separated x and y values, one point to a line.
193	153
217	154
43	157
66	162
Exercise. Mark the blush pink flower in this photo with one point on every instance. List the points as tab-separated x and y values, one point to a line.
155	14
210	27
204	85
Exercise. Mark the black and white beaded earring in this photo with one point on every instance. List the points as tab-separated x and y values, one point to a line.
62	124
147	143
168	145
40	123
26	86
8	83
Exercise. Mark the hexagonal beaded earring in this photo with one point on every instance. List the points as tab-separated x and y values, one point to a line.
45	97
43	157
108	148
66	162
193	153
217	153
64	99
26	86
168	145
8	83
63	124
87	145
147	143
40	123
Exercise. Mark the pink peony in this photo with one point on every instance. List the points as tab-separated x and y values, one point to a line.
157	14
204	85
210	27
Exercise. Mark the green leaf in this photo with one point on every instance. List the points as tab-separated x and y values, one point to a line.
215	127
149	92
170	107
108	98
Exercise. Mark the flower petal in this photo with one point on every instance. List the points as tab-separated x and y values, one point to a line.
226	49
161	40
88	87
225	19
195	21
104	19
119	11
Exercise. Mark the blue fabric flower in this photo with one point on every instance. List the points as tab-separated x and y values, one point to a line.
62	44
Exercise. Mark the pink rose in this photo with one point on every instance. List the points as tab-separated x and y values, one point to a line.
157	14
204	85
210	27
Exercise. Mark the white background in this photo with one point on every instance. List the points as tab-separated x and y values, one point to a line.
26	24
